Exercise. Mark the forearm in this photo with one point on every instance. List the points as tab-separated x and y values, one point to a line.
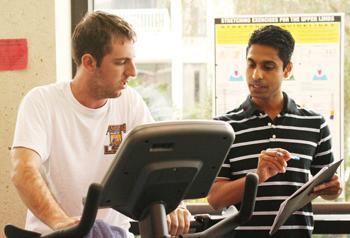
36	195
224	193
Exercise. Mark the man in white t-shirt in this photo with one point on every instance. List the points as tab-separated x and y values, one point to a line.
67	133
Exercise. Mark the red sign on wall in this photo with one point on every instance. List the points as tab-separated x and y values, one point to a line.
13	54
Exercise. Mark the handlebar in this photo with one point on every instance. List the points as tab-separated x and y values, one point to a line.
78	231
230	223
92	202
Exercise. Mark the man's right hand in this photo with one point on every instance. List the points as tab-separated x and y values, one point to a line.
70	221
272	162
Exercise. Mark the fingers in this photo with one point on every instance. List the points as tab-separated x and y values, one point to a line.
331	187
168	221
172	223
184	221
333	183
281	153
271	162
329	191
274	160
70	221
179	221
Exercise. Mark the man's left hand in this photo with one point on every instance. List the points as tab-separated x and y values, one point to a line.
329	190
179	221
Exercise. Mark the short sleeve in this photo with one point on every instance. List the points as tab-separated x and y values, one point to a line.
323	154
225	171
140	113
33	124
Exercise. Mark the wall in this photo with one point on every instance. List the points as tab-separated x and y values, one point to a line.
35	21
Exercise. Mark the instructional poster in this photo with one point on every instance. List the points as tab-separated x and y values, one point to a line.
316	81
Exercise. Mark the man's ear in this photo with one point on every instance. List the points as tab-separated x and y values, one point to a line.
287	70
88	62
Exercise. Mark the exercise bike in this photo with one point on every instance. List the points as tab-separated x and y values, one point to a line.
156	167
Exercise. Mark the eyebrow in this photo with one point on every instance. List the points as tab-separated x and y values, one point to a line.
121	58
269	62
263	62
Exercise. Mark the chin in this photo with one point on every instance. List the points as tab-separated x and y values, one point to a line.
117	94
254	94
258	95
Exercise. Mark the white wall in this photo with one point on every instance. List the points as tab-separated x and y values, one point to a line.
35	21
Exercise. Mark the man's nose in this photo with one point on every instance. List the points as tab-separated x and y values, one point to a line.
131	69
257	73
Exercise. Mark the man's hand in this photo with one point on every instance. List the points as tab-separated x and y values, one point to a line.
70	221
272	162
329	190
179	220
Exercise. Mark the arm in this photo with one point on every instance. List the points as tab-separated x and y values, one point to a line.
331	189
228	192
224	192
33	190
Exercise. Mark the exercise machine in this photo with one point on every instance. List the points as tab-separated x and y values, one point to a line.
156	167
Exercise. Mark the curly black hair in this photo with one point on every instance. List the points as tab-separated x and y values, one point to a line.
275	37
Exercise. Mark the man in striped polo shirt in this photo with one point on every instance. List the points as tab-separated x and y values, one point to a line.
270	129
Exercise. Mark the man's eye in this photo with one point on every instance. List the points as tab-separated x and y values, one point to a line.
269	66
120	62
250	65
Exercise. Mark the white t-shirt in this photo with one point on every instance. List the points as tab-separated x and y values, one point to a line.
76	144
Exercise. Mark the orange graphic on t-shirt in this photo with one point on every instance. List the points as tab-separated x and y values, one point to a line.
115	133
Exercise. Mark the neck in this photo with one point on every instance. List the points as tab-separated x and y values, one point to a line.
272	106
84	94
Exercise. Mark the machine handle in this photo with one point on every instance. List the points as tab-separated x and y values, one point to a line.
248	203
228	224
78	231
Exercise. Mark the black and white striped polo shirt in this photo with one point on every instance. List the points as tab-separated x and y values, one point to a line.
303	133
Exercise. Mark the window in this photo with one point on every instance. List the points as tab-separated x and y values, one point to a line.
196	92
194	18
153	82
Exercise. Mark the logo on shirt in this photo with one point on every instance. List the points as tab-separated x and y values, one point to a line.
115	136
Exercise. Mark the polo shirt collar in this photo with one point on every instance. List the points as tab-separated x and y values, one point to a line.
250	109
289	105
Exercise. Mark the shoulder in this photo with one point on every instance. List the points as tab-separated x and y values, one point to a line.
306	112
45	91
304	116
235	114
293	108
42	97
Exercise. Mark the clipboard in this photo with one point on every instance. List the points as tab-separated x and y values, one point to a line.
303	195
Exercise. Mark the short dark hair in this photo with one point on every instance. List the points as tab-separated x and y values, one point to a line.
94	34
275	37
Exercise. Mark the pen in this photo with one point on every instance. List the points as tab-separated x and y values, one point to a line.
294	157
